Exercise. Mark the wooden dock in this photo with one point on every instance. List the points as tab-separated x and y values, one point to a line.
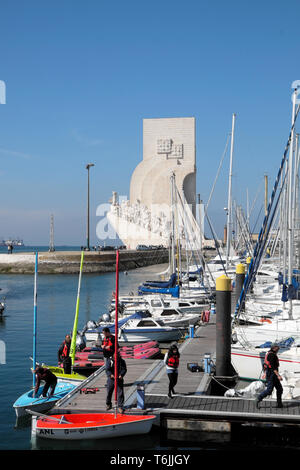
192	408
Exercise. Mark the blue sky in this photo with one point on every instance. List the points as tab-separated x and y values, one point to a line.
81	76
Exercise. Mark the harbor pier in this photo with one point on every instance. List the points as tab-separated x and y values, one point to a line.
196	408
68	262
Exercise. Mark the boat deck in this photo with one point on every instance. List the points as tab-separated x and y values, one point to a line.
149	372
220	408
192	402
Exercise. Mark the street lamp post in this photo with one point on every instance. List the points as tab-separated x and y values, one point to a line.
88	166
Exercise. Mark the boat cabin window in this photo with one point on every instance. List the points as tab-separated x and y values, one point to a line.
169	312
156	303
146	323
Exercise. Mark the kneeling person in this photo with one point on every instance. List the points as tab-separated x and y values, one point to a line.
41	373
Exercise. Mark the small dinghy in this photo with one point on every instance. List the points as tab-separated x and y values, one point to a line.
73	378
94	356
87	367
91	426
40	403
140	353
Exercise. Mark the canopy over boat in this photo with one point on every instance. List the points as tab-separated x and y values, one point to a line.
174	291
162	284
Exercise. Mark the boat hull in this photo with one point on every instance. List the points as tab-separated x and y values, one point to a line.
134	336
74	378
39	403
92	426
249	364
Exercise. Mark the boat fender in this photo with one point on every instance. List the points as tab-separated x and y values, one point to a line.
265	320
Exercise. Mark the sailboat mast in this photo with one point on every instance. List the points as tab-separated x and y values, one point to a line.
173	225
35	314
290	204
116	331
74	334
229	217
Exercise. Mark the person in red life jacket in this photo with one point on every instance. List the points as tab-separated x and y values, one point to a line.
110	372
171	360
271	366
41	373
64	355
108	344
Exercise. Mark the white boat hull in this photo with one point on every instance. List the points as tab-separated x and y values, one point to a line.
128	336
249	364
97	432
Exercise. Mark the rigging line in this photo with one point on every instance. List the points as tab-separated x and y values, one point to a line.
256	220
217	245
253	268
242	228
219	169
255	198
242	234
265	222
191	232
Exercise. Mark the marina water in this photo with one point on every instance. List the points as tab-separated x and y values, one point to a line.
55	314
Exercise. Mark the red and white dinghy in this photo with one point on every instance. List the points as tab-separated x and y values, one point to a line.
90	426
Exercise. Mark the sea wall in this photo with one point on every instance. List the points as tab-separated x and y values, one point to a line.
68	262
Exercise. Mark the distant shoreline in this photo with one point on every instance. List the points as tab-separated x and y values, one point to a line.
68	261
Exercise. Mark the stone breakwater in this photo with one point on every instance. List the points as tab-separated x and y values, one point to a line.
68	262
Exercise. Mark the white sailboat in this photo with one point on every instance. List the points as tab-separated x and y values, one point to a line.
278	323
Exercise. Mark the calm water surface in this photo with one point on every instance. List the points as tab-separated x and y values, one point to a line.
56	308
55	312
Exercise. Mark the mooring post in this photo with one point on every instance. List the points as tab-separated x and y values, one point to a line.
223	326
239	281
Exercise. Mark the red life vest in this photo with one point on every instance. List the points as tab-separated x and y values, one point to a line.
108	342
206	316
173	361
65	350
267	364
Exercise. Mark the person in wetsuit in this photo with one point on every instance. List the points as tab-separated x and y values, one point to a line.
41	373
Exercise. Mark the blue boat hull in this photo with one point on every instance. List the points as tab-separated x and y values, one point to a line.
39	403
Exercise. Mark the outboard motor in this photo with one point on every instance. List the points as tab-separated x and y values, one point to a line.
106	317
80	341
91	324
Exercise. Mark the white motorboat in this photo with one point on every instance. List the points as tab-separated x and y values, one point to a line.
148	329
157	304
248	362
